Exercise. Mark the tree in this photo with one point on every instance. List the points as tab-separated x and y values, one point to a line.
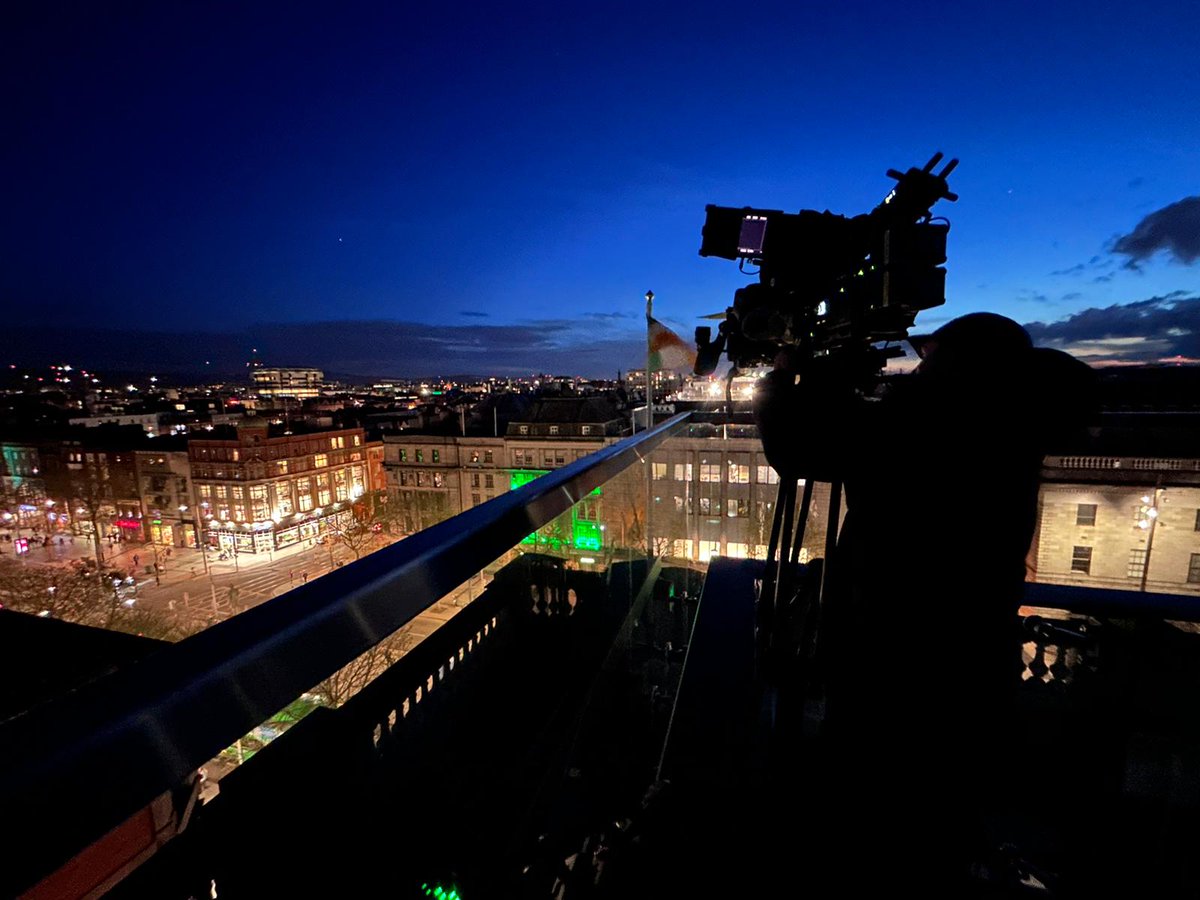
350	679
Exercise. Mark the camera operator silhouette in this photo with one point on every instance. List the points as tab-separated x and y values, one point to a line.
918	646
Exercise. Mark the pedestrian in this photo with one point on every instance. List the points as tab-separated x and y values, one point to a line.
193	571
304	577
291	576
169	552
135	559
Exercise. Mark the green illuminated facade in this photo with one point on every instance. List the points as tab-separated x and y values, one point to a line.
585	532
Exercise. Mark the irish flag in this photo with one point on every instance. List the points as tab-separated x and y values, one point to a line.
667	349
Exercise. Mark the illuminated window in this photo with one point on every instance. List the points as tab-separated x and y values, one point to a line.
333	443
737	551
709	549
236	492
403	456
554	429
739	474
321	460
659	471
585	429
437	456
306	502
439	480
475	456
1137	562
324	497
519	458
487	456
681	549
420	456
683	472
706	506
239	513
357	440
737	509
420	479
767	475
1085	514
205	491
282	466
710	472
1194	569
1081	560
524	429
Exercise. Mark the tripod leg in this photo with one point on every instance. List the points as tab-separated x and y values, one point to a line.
805	505
771	571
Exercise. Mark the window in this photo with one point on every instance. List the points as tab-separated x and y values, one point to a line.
420	456
659	470
586	511
258	492
282	466
205	491
239	513
683	471
333	443
439	480
585	429
1085	514
306	502
519	458
437	456
324	496
739	474
767	475
1194	569
1197	528
1137	562
236	492
1081	560
709	549
737	551
357	440
547	458
475	501
474	456
489	481
321	460
474	479
706	506
678	504
404	479
681	549
554	429
403	455
560	457
487	456
524	429
710	472
737	509
234	455
420	479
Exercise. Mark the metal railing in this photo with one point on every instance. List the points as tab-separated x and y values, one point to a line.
74	769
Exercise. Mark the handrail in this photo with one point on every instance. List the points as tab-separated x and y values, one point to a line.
1112	603
76	768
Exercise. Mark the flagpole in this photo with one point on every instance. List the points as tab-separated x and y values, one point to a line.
649	417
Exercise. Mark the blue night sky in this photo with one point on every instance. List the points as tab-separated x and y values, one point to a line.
473	189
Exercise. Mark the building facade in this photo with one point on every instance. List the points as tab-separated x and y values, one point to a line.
1124	522
260	490
168	501
295	383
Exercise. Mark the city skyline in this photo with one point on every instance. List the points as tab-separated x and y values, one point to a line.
494	191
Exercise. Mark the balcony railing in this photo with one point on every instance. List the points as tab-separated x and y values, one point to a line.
74	769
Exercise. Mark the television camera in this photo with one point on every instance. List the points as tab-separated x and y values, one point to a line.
829	285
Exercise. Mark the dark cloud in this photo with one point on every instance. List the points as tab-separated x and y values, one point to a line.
1142	331
1074	295
473	314
1074	270
1136	182
1027	296
611	315
1174	228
